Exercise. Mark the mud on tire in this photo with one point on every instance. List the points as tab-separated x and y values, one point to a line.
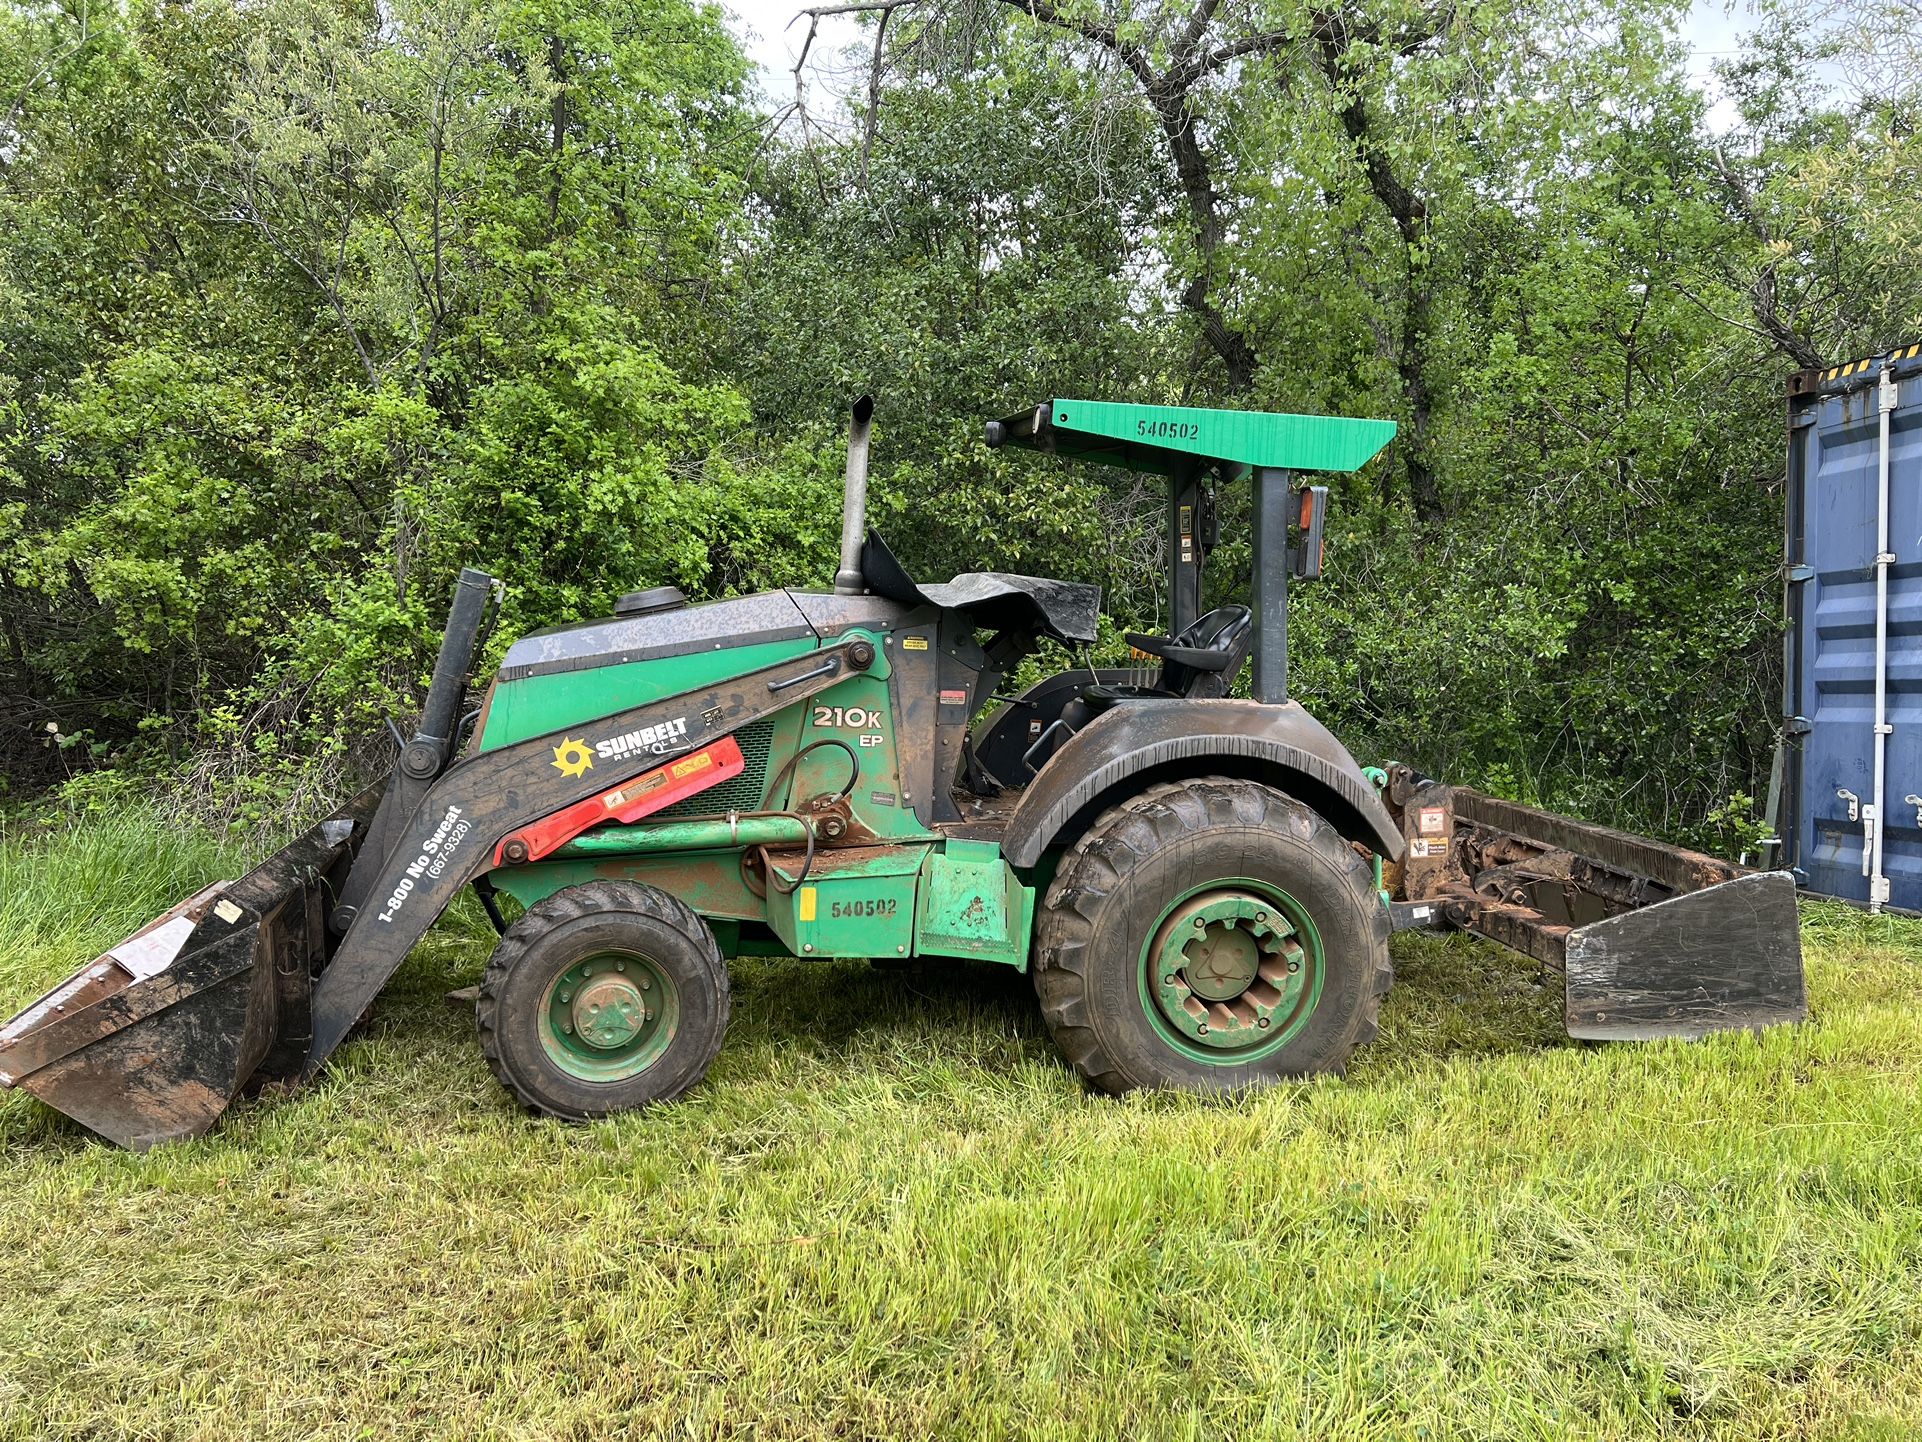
1122	886
613	962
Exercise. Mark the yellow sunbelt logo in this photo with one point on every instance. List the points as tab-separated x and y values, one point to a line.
573	758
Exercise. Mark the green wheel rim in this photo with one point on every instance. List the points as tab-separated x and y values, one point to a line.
1231	971
609	1016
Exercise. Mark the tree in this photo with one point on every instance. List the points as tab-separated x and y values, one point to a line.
318	303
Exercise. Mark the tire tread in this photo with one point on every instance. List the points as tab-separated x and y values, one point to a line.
575	903
1126	835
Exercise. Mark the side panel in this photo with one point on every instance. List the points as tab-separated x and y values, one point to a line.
858	714
972	904
855	902
709	881
1834	443
1728	958
1130	746
535	705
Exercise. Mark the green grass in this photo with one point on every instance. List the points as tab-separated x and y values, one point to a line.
892	1212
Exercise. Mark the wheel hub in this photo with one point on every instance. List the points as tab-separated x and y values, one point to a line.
1223	961
608	1011
609	1016
1227	970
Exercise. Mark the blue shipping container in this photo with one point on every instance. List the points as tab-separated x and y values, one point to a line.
1848	799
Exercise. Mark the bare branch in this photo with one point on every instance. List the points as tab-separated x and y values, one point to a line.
1103	35
1197	27
1335	38
1763	296
1266	43
819	12
874	93
800	62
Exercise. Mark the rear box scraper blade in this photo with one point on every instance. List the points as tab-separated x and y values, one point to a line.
1653	940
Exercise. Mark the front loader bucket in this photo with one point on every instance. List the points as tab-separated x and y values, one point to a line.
152	1040
1652	940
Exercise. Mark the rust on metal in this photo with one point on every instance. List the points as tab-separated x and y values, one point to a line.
150	1041
1527	877
835	861
1653	940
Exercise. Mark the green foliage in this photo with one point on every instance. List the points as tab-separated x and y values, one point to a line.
304	305
426	291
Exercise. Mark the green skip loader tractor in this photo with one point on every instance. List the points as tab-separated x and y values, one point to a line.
1201	885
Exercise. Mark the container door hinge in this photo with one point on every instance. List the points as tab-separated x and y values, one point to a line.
1796	726
1801	571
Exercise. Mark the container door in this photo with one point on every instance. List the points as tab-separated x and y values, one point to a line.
1834	446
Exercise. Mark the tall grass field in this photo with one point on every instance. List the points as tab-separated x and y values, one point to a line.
892	1212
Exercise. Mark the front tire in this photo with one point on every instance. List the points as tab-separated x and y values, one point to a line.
1211	935
601	998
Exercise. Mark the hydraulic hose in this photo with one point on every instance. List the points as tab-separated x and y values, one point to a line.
774	787
854	769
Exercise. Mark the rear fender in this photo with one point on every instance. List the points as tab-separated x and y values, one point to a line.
1135	744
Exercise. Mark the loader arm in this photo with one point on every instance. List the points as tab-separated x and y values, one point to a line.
152	1040
451	835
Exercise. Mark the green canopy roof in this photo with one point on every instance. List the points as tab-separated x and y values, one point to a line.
1169	439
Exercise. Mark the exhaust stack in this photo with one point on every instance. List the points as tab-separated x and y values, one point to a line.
848	581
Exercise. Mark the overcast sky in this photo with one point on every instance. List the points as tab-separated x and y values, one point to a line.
1710	31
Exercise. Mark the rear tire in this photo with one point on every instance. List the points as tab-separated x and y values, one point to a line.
1211	935
603	997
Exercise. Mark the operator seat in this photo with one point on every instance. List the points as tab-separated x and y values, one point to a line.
1198	664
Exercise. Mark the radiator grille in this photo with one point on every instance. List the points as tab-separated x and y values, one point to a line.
745	791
